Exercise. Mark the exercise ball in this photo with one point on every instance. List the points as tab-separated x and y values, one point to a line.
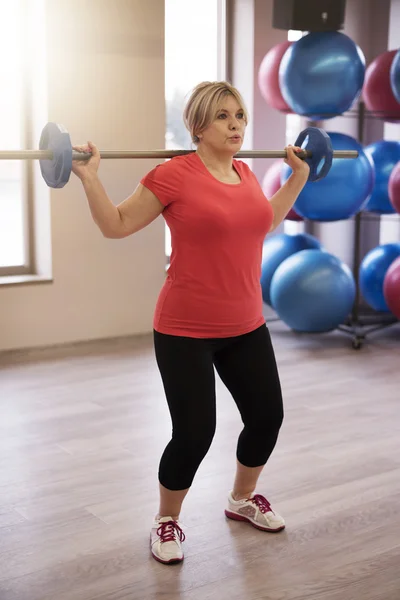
271	183
395	76
344	191
268	77
293	216
385	155
313	291
373	269
391	288
322	74
394	188
377	91
276	249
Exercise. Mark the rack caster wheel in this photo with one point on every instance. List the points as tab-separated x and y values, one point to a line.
357	343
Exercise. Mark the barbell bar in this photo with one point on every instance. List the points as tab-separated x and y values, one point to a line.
56	154
49	155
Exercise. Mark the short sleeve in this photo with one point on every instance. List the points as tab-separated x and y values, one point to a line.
164	181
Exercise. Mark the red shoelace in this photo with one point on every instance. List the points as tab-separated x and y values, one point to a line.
169	530
262	503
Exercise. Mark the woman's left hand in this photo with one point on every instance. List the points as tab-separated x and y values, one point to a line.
298	165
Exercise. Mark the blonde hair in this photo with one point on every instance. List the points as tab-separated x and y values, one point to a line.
202	106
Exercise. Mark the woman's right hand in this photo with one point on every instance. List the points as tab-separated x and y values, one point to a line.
86	168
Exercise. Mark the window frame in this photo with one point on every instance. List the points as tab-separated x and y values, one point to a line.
27	180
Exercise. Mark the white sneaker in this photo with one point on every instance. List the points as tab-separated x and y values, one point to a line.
166	539
255	510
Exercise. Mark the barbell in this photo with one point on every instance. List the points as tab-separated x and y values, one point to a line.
56	154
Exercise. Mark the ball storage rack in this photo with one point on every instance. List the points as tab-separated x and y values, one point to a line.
363	320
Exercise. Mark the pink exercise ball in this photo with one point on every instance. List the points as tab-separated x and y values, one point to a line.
394	187
377	91
293	216
268	77
391	287
272	183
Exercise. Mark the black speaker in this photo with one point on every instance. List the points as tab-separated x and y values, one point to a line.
309	15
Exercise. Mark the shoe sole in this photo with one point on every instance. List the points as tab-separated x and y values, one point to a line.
173	561
236	517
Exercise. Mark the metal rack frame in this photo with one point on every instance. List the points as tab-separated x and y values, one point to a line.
363	320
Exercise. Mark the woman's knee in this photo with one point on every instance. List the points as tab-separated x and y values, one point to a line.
277	418
268	420
265	430
258	439
195	443
182	458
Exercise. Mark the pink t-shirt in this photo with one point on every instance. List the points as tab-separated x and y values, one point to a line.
212	288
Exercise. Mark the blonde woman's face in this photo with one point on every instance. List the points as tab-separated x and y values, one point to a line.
227	130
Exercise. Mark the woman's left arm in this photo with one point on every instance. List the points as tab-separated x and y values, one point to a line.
283	200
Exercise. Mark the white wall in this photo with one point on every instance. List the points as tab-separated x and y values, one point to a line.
105	83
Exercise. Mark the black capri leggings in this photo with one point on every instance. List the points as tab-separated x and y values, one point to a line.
246	364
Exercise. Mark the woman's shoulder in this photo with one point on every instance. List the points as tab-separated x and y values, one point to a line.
176	163
242	166
172	168
165	179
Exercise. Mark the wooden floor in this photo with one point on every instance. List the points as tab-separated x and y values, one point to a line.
81	432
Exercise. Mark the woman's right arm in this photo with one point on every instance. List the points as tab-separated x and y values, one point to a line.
130	216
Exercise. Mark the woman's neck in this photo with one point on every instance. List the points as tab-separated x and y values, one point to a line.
221	163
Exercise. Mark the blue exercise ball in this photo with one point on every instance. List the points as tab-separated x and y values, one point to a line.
373	269
344	191
395	76
276	249
313	291
385	155
322	74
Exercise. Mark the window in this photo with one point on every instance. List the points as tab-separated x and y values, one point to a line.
13	238
194	52
24	203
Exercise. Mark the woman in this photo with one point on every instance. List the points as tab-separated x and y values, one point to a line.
209	312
